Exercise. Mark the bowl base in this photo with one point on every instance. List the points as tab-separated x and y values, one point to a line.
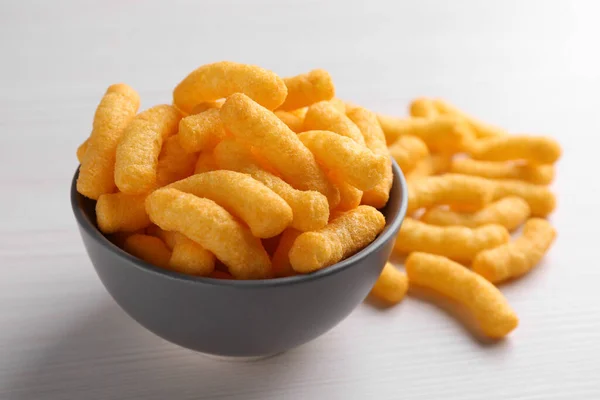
239	359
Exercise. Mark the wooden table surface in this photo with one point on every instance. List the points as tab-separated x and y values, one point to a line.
530	66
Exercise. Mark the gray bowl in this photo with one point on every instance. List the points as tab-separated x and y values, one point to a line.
238	318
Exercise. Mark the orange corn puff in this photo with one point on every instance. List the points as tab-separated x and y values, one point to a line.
538	174
353	163
121	212
300	112
510	212
449	189
138	150
116	109
518	257
169	237
488	306
201	107
211	226
222	79
82	149
456	242
434	164
391	286
258	127
118	238
444	134
205	163
263	210
190	258
350	197
540	199
281	258
535	149
408	151
310	208
201	132
423	107
174	163
344	236
306	89
369	127
293	121
339	105
481	129
324	116
148	248
270	244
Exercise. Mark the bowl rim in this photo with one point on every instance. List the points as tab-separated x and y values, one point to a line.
389	231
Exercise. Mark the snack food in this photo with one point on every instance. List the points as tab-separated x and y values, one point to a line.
201	107
120	212
433	164
256	126
484	300
341	238
149	248
116	109
518	257
324	116
408	151
169	237
310	208
270	244
423	107
281	259
293	121
350	197
353	163
82	149
481	129
444	134
510	212
340	105
258	184
391	286
534	149
540	199
174	163
306	89
259	207
369	127
221	79
118	238
456	242
538	174
201	131
211	226
205	163
188	257
300	112
449	189
136	160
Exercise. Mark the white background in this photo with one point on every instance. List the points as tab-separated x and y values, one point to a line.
530	66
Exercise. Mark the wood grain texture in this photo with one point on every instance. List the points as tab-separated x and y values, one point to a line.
530	66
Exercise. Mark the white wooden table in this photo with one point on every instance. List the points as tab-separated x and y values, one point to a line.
530	66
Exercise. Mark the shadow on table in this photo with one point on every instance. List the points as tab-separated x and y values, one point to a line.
106	355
